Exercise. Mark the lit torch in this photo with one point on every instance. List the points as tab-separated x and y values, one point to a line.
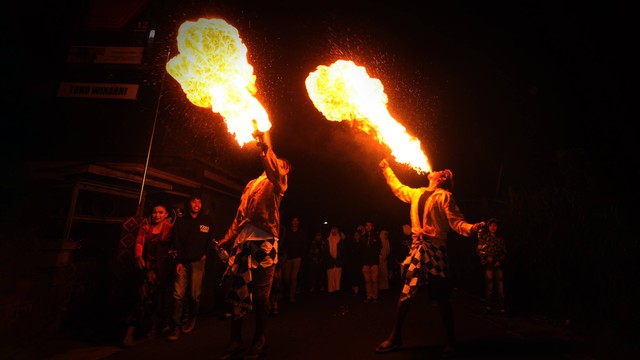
344	91
213	70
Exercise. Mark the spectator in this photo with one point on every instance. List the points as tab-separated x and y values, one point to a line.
317	274
353	264
492	250
294	248
334	256
153	269
370	247
383	269
193	234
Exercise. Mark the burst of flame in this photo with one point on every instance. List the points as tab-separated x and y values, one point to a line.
344	91
213	70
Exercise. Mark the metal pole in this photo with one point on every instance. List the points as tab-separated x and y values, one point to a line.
499	179
153	131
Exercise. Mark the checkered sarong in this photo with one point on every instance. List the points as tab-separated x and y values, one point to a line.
424	258
246	256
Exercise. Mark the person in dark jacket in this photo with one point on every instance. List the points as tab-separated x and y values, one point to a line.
192	236
255	232
317	269
293	250
370	247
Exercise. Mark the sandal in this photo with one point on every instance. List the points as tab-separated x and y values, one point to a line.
388	345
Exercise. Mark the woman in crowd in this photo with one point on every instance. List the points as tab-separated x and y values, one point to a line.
334	259
153	269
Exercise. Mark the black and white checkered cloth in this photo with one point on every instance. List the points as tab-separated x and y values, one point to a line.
248	255
424	258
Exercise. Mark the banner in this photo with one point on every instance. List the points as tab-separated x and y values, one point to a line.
98	90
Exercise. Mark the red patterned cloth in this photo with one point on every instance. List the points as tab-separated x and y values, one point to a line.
128	234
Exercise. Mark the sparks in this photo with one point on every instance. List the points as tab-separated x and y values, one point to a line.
345	92
213	70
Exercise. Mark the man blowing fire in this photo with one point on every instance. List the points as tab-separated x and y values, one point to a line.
433	211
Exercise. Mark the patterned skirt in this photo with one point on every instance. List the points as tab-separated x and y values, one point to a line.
424	259
237	277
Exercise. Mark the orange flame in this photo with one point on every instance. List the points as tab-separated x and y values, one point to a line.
344	91
213	70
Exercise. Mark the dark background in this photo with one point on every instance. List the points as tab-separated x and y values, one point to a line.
528	103
497	93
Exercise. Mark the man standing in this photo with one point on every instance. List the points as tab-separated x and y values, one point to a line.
370	247
192	235
433	211
254	255
294	247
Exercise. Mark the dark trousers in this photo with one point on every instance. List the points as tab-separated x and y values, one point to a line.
260	288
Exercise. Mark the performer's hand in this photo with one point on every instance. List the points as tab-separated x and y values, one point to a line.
220	243
262	146
217	244
477	226
383	164
258	135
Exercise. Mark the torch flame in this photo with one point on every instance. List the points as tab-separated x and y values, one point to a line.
344	91
213	70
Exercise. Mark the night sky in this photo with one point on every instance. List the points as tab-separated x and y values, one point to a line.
495	92
527	102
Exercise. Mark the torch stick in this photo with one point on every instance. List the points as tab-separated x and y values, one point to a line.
260	136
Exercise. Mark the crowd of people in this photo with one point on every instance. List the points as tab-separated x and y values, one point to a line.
266	262
361	262
170	255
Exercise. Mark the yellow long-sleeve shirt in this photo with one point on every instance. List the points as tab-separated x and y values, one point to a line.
440	211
